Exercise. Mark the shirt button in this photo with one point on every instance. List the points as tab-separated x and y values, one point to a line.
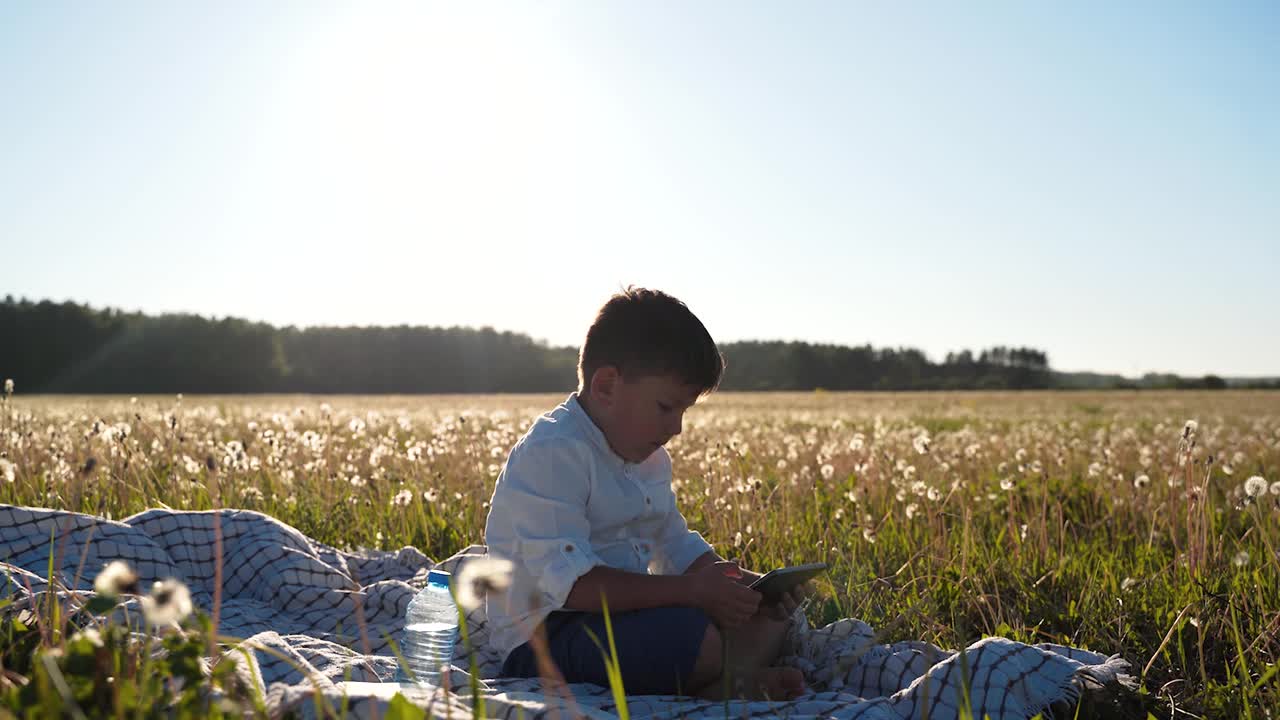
568	548
647	500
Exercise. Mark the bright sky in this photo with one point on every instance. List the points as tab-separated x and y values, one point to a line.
1100	180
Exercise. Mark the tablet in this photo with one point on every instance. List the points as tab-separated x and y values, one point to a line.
776	582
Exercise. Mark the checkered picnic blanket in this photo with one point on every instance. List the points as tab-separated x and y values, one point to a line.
332	614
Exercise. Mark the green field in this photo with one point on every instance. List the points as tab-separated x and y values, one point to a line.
1098	520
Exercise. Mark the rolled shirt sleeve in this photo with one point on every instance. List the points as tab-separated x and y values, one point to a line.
678	546
543	495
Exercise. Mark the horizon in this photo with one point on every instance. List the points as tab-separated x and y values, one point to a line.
575	346
1101	183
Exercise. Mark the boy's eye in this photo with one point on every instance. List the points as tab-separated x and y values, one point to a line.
664	407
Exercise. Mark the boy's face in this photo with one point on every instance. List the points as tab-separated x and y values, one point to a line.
640	414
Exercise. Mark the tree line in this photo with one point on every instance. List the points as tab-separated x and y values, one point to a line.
72	348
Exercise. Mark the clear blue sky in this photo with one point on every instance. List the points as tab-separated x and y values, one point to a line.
1099	180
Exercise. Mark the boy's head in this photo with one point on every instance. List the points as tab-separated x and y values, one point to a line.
646	359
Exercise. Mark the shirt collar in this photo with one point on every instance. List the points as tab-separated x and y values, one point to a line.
592	431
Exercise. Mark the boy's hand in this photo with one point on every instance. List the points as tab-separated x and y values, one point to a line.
716	590
786	603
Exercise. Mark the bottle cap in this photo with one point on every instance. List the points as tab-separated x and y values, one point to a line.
438	577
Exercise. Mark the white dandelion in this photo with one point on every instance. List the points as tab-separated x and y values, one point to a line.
1255	486
1189	430
1141	481
91	634
1275	488
169	603
116	579
481	577
1241	559
1127	584
8	470
828	471
921	443
402	498
8	386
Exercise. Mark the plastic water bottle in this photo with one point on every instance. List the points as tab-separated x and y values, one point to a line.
430	630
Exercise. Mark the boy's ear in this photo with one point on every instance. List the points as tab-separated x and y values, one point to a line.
604	384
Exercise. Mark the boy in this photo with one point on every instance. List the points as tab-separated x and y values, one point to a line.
584	508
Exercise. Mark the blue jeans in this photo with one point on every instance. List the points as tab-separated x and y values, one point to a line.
657	648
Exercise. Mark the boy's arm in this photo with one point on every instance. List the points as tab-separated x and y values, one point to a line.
538	520
727	602
710	557
628	590
680	550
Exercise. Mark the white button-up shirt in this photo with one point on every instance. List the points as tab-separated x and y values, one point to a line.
565	503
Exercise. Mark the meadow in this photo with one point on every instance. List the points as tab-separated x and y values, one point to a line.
1139	523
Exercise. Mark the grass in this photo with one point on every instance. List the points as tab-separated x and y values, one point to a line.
1019	517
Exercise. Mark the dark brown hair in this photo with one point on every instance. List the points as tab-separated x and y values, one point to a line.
646	332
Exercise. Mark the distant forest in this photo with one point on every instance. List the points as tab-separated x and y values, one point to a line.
72	348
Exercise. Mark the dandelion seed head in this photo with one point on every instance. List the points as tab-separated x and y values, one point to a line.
921	443
1241	559
1255	486
1189	430
8	386
116	579
91	634
168	603
1141	482
481	577
402	498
